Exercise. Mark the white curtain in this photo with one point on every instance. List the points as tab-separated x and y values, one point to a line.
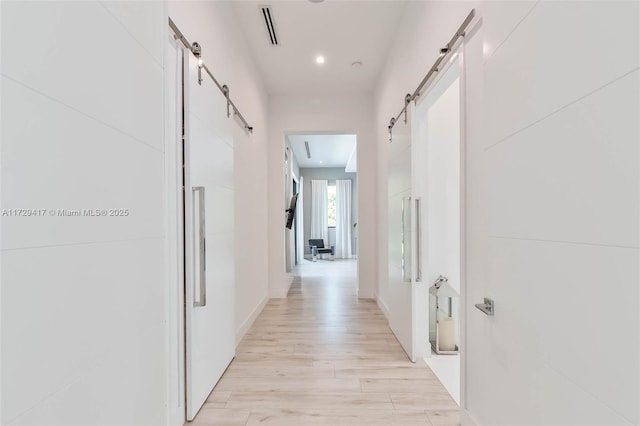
319	211
343	218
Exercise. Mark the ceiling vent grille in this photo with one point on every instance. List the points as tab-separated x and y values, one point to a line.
268	20
306	146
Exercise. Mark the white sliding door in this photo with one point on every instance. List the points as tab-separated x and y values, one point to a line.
208	233
400	292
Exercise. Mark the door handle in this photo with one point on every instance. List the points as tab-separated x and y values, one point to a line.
418	243
202	248
406	277
487	307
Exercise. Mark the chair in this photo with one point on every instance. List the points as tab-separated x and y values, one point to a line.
317	247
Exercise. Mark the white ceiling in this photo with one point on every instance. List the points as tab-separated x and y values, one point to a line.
326	150
342	31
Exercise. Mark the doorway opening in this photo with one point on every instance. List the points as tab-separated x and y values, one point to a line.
439	180
321	169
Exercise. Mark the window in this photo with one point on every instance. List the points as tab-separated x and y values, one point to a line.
331	206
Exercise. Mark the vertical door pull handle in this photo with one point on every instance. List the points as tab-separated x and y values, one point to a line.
406	264
418	243
202	276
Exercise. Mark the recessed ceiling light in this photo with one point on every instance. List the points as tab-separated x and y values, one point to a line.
316	1
320	162
356	64
320	59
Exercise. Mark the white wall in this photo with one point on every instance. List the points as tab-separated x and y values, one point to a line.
83	299
295	167
292	171
318	114
84	319
560	160
225	51
552	202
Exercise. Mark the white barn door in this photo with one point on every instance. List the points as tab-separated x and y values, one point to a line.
208	232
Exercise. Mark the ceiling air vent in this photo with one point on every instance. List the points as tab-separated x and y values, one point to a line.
306	146
268	20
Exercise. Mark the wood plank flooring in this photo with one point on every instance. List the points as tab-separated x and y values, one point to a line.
323	357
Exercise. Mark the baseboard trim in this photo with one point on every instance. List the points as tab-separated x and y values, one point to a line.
246	325
383	307
280	293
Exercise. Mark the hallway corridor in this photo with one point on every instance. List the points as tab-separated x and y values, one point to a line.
323	357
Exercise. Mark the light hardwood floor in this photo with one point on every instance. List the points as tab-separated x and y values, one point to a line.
323	357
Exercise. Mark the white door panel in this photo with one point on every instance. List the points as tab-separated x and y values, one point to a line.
400	290
209	225
218	166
